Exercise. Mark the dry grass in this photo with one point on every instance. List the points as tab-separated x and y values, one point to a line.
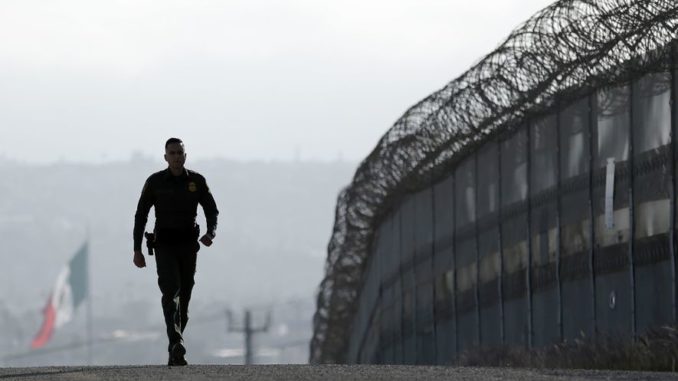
656	350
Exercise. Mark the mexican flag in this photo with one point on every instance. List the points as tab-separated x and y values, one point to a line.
68	293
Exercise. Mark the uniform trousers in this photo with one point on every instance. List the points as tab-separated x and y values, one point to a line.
175	265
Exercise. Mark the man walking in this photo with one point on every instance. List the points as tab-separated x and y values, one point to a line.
175	193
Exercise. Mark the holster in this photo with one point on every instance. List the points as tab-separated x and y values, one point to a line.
150	242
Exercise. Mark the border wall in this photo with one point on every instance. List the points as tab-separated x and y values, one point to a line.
530	201
561	229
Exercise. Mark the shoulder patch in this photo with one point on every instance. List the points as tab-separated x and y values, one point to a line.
192	187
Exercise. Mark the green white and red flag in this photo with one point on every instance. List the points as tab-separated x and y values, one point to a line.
69	291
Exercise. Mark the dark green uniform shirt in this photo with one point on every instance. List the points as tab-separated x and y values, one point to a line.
176	200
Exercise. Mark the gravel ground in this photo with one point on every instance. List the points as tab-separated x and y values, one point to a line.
309	372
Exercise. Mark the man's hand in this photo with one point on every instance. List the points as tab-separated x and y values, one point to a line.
207	239
139	260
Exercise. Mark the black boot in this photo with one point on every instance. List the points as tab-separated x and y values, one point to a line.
176	355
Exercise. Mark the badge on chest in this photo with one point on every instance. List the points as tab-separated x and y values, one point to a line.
192	187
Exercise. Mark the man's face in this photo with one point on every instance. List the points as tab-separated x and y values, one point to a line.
175	155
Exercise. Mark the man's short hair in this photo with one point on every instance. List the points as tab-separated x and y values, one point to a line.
172	141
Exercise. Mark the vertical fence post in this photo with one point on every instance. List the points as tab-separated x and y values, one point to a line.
415	282
528	273
592	122
379	348
672	221
433	272
475	243
402	288
454	263
558	226
500	244
632	207
392	270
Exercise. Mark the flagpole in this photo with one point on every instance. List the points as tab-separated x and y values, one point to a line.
89	302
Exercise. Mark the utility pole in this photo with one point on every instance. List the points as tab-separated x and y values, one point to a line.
248	330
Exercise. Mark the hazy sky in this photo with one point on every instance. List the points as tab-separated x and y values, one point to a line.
84	80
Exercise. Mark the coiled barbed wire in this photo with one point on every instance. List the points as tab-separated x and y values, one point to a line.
569	45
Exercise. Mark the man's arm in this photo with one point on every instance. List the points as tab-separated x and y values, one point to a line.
146	200
209	206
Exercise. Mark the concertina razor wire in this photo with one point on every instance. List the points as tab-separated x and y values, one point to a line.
564	49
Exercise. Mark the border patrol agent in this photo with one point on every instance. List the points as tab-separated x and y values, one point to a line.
175	193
